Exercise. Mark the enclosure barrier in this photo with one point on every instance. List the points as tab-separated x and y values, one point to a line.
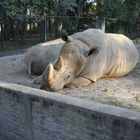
31	114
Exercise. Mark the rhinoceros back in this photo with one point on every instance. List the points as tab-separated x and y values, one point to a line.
91	37
117	55
122	55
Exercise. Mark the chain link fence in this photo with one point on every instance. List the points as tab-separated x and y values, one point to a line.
49	28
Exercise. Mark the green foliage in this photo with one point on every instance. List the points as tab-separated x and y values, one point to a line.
124	10
132	10
18	13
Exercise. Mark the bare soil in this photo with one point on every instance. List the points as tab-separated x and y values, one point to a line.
123	92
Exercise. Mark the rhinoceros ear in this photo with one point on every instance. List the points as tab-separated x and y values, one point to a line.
65	37
59	63
93	51
50	70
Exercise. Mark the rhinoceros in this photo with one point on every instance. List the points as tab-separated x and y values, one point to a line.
89	56
40	55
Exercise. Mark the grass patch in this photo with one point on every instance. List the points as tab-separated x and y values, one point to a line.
17	45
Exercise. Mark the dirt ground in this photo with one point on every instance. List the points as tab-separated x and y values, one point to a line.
123	92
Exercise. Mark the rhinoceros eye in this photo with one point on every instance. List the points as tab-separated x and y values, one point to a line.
67	77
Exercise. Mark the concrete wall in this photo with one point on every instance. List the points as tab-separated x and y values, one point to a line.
32	114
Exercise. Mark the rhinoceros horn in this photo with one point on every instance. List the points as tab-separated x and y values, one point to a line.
59	63
50	71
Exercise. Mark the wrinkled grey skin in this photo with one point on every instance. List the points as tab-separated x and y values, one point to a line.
87	57
68	66
39	56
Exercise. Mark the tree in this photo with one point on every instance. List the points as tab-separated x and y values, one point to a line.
132	13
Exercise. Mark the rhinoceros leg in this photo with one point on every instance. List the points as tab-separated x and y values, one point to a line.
79	82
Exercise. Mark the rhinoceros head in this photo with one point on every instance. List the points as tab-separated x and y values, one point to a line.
73	56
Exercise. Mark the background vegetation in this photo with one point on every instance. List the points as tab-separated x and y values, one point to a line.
27	22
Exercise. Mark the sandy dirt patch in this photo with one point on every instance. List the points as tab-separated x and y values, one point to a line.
123	92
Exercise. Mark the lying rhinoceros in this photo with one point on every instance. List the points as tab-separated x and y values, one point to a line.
89	56
40	55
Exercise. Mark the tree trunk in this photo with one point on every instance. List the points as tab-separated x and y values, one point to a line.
24	26
2	37
2	31
7	28
49	20
41	30
17	30
23	32
78	14
132	29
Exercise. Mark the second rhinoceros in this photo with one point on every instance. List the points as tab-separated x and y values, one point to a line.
39	56
89	56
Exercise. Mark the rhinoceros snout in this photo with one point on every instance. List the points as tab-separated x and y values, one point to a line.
49	88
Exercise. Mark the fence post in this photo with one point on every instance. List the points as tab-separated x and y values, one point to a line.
2	35
45	28
100	23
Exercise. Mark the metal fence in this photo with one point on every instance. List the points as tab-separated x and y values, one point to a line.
50	27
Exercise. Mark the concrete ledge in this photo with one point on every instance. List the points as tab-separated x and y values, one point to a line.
32	114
